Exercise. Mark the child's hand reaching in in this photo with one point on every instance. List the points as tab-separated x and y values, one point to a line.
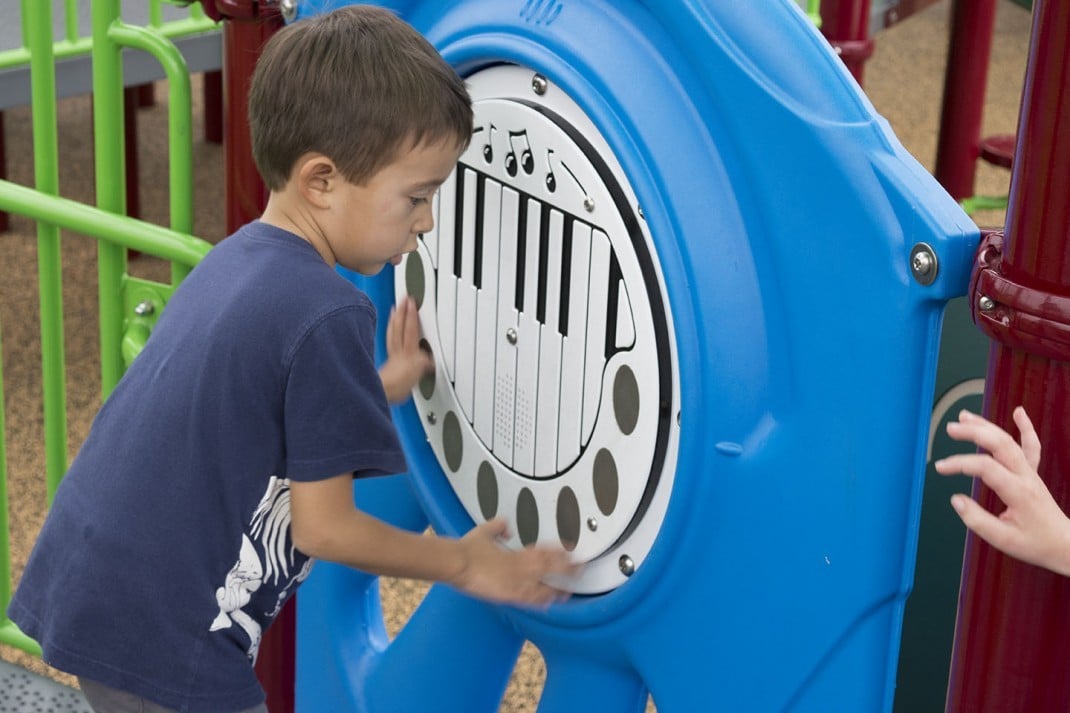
406	362
1032	528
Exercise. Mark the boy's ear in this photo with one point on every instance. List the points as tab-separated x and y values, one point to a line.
316	177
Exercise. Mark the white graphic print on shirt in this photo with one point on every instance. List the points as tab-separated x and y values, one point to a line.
270	528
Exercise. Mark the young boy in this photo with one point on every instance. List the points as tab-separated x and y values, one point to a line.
224	459
1032	528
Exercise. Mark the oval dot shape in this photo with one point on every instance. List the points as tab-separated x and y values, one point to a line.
415	280
527	517
427	381
568	519
487	491
626	399
606	482
452	444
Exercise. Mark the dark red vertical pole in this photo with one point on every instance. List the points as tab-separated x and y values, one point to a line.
1012	637
212	91
845	23
243	37
131	101
969	51
246	28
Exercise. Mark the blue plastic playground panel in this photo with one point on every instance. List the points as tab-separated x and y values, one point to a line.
684	296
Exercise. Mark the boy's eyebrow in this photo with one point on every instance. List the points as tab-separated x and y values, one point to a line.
426	185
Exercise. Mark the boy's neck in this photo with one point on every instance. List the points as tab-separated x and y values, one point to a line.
285	213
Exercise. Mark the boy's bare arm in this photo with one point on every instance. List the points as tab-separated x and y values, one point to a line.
1032	528
406	362
326	525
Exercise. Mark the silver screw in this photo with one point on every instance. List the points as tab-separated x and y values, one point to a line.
986	303
627	565
510	335
431	418
144	308
588	204
923	263
640	211
288	9
539	85
592	524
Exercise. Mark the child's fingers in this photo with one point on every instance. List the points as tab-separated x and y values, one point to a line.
990	437
1029	438
986	525
978	465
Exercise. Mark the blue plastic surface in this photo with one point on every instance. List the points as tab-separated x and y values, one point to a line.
783	212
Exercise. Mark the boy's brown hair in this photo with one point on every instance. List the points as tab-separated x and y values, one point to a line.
358	85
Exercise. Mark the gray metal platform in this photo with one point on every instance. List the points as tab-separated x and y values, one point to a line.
24	692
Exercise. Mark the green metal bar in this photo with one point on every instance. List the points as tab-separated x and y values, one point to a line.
126	233
179	118
108	142
70	19
38	17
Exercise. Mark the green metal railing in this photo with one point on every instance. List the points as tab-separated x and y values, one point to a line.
128	306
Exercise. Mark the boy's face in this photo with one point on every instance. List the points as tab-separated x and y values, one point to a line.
378	222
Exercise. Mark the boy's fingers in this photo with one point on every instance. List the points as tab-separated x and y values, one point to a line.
977	465
1029	438
990	437
986	525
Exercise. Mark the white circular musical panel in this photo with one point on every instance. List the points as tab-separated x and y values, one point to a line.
555	398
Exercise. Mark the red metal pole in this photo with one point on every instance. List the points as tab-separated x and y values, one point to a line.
5	221
845	23
969	50
1012	638
247	27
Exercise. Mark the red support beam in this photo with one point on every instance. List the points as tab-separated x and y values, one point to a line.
1012	636
845	23
969	51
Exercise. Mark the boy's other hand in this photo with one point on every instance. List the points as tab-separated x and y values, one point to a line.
1032	528
497	574
406	362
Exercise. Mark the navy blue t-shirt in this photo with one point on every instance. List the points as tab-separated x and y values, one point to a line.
167	550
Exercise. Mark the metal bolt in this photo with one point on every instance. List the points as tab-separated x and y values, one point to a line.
588	204
923	263
627	565
510	335
288	9
592	524
539	85
144	308
639	209
431	418
986	303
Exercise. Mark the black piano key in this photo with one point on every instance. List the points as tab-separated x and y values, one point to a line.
458	221
566	274
544	251
612	306
481	189
521	252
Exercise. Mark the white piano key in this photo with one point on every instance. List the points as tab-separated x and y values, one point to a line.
531	257
506	354
465	317
431	236
573	349
597	305
486	314
527	392
547	412
447	283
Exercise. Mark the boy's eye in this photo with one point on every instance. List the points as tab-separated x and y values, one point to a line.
415	200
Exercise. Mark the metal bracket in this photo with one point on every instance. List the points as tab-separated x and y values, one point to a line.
1020	316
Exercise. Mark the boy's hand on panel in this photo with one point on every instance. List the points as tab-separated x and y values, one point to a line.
406	362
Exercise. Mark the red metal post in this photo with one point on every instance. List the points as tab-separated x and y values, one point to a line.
1012	638
845	23
247	27
212	90
5	220
969	50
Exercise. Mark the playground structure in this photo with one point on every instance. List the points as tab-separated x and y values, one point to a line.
382	297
